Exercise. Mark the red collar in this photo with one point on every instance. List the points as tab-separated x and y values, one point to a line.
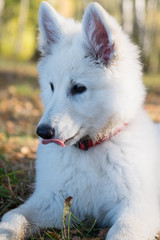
86	143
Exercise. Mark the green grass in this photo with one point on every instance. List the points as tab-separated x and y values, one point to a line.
26	90
152	79
20	67
9	180
152	82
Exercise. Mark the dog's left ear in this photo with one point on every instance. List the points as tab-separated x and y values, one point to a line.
50	27
98	38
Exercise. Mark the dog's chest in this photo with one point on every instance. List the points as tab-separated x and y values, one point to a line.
89	177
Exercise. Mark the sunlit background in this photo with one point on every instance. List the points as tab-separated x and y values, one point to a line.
139	18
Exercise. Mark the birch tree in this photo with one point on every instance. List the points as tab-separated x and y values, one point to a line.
23	15
127	15
139	20
2	3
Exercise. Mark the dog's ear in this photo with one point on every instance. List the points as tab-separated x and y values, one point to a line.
98	38
49	26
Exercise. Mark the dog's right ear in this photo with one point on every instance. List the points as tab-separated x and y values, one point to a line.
97	34
49	26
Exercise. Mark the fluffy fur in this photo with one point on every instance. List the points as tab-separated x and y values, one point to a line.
116	182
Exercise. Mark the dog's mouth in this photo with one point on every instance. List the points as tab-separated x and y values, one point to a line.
63	143
53	140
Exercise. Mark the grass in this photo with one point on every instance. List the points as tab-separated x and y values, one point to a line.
10	186
19	67
25	90
152	80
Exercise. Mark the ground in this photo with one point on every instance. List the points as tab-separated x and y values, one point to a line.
20	111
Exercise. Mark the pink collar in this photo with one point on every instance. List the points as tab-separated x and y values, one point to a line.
86	143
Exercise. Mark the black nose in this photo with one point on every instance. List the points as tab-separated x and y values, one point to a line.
45	131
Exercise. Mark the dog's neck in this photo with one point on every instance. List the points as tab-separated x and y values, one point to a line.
86	142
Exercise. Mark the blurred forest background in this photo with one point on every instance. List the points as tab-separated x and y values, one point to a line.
139	18
20	106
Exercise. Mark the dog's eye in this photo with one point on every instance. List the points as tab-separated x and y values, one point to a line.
52	87
78	89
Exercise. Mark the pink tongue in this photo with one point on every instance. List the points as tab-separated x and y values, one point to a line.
47	141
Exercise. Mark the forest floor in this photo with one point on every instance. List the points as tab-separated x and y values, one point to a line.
20	111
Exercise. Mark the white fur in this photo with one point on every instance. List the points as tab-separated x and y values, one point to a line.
116	182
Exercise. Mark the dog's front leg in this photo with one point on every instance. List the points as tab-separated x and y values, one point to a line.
133	225
38	212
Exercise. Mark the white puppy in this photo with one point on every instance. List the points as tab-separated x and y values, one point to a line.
93	95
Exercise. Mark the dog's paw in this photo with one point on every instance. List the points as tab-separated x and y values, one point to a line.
124	230
13	226
6	234
120	235
9	231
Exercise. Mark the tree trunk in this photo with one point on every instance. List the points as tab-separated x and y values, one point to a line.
127	16
23	15
139	20
2	4
151	42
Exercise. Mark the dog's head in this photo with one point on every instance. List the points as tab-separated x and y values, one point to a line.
90	75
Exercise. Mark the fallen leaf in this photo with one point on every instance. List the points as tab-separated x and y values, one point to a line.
24	150
103	232
53	234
